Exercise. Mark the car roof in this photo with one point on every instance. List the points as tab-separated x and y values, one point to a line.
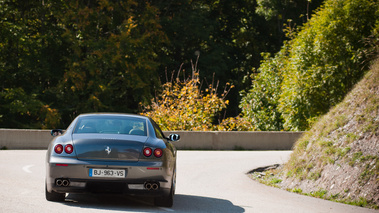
100	114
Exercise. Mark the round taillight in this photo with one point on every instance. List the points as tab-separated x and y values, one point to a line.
147	152
68	148
58	149
158	153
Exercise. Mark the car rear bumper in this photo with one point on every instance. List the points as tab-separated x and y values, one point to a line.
104	187
72	176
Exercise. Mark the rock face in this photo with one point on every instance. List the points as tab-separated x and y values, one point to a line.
340	154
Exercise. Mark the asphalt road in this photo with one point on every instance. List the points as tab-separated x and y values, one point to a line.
207	181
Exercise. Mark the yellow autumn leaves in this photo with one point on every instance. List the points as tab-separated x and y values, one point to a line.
183	106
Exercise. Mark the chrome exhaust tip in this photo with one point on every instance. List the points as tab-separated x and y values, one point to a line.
62	182
154	186
58	182
151	186
65	183
148	186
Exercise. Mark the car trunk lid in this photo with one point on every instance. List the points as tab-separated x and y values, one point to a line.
109	147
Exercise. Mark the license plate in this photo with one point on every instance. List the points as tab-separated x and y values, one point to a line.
112	173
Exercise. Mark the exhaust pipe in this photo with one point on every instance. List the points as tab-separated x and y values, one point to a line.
65	183
154	186
58	182
148	186
151	186
62	182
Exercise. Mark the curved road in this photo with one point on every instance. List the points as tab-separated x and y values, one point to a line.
207	181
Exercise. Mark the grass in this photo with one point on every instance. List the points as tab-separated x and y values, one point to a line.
350	137
270	180
314	175
339	139
360	202
274	181
296	190
321	193
370	170
342	152
355	158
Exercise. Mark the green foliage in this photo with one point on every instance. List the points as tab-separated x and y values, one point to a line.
276	181
69	57
316	69
30	61
260	104
319	194
341	139
229	36
287	14
314	175
297	190
113	60
326	60
62	58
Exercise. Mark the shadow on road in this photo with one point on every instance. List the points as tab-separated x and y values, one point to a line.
204	204
182	203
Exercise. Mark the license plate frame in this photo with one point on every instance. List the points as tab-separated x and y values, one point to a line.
107	173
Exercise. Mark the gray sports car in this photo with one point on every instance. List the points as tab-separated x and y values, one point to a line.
112	153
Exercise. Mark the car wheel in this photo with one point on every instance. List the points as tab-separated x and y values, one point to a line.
167	201
54	196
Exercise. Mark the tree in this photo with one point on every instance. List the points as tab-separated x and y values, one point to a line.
320	65
31	63
260	104
62	58
285	13
228	35
327	59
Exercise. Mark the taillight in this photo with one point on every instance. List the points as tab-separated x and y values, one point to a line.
158	153
58	149
68	148
147	152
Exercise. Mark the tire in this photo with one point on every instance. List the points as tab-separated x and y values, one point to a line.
167	201
54	196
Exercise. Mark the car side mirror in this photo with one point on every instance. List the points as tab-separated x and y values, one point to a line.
56	132
174	137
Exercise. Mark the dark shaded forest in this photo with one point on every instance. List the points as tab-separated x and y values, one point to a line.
62	58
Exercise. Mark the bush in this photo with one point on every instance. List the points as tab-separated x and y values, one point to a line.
183	106
316	69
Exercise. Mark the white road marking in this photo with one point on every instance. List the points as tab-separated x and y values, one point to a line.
26	168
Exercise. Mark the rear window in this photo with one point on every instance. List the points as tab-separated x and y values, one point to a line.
111	125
